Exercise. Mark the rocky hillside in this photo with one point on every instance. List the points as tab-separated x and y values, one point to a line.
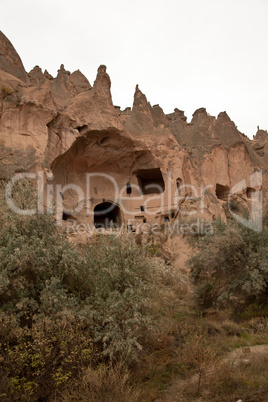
67	127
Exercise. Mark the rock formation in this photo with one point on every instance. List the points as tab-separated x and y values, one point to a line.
10	61
65	127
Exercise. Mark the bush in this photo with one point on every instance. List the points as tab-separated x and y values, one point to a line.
39	360
230	268
63	309
118	286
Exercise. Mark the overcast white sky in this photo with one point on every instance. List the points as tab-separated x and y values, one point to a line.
182	53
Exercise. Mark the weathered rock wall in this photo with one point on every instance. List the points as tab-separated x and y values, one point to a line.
66	126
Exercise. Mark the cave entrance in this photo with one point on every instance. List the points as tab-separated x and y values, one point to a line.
151	181
222	192
107	215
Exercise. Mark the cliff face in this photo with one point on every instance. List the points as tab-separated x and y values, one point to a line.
10	61
70	128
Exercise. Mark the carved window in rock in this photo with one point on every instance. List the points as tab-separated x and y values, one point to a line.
178	183
222	192
128	188
250	192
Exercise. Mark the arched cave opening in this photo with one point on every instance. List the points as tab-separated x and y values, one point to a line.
222	192
178	183
128	189
107	215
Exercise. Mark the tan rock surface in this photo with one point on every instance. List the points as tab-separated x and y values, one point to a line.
10	61
65	125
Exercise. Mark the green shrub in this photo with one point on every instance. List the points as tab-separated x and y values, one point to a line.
64	309
230	268
116	287
44	358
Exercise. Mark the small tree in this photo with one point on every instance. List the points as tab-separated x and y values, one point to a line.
197	355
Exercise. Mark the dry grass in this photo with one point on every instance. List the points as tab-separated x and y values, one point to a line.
105	384
225	376
241	378
226	381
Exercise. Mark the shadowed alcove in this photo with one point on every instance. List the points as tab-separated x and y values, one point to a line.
107	215
222	192
151	181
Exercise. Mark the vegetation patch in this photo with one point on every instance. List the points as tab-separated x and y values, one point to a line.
110	321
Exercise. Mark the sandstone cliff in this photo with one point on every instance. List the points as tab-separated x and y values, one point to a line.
68	127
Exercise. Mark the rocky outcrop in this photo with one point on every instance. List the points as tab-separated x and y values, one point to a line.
66	85
24	113
10	61
65	125
260	144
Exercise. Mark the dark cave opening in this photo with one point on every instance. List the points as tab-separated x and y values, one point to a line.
222	192
151	181
107	215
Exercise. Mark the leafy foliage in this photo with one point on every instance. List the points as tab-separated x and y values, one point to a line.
231	268
62	308
73	320
118	281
